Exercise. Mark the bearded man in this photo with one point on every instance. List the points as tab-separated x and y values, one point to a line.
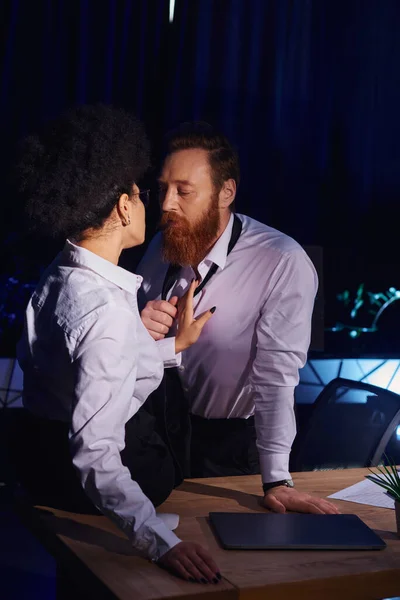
238	380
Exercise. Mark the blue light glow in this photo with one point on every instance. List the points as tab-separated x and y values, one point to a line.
375	303
317	373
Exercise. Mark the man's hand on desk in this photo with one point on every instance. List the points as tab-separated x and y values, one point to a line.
191	562
281	498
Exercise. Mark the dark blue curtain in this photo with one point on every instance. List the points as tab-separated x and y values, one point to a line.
308	90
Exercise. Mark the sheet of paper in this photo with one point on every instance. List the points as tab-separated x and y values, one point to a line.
365	492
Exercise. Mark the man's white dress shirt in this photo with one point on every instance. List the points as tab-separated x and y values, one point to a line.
248	356
88	360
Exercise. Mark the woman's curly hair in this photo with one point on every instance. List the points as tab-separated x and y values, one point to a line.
72	174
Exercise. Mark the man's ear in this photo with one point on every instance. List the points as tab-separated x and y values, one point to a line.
227	194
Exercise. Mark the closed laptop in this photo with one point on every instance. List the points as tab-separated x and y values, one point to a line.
293	531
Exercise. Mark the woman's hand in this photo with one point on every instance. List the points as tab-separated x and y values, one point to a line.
191	562
189	328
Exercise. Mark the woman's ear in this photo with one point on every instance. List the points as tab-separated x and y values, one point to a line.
123	209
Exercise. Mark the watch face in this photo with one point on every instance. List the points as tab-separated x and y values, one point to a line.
289	482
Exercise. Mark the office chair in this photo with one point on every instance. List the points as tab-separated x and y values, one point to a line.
350	425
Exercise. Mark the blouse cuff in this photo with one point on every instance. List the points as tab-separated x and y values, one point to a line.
166	348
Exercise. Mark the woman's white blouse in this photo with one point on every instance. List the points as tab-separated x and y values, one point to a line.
88	360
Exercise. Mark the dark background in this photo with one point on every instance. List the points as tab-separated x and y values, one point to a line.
308	91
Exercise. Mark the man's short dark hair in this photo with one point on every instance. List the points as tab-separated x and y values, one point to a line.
223	158
74	171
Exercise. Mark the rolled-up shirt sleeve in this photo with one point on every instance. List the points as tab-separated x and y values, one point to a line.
105	363
283	337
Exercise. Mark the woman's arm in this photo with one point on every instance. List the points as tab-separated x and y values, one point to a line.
105	364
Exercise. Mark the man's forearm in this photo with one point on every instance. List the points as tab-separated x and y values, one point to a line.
274	467
276	428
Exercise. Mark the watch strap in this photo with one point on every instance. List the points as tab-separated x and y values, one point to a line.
273	484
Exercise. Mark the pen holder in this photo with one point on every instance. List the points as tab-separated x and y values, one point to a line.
397	511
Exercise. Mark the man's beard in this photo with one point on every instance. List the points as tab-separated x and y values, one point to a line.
185	244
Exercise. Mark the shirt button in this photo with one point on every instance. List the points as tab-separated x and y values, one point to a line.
181	368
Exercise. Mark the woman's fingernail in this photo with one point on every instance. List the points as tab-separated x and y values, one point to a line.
215	580
203	580
213	309
219	575
192	580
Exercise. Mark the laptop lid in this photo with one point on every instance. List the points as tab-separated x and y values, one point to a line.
293	531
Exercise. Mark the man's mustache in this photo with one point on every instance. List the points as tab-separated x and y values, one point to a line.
168	217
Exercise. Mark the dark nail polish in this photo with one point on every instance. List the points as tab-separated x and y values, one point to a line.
192	580
219	576
213	309
215	580
203	580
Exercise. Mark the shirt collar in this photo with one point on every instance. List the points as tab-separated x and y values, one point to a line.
117	275
218	253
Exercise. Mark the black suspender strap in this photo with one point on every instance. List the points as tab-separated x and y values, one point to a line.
173	270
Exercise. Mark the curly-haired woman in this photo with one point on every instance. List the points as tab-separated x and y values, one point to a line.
89	363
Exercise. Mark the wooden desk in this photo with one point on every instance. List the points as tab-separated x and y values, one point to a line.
254	575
